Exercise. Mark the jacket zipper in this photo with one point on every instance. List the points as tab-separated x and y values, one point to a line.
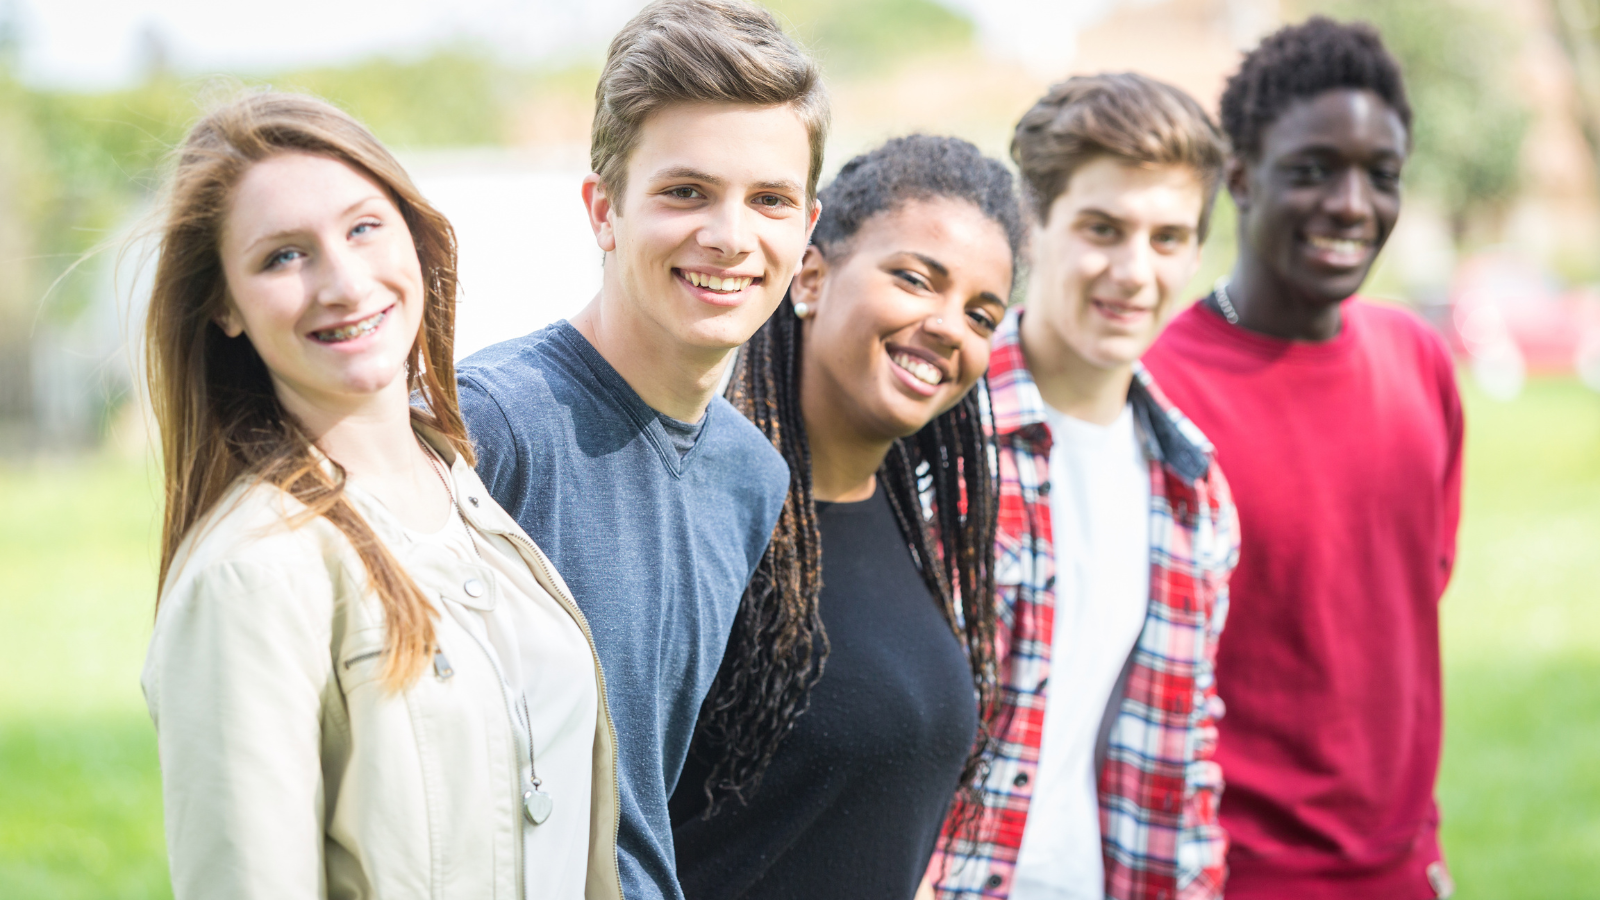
511	717
611	727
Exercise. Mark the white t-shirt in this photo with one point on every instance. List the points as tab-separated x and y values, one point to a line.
1099	514
543	656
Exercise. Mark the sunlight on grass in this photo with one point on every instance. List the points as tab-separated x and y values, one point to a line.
80	800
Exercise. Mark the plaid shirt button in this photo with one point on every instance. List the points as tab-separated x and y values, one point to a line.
1021	780
995	881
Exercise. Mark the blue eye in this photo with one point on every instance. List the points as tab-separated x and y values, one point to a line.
282	257
363	228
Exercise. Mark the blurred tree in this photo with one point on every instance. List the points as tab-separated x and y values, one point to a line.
20	206
1578	25
858	37
1458	57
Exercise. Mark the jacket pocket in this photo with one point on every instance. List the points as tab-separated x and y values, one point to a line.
361	658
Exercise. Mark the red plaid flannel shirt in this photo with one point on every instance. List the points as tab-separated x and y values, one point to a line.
1159	787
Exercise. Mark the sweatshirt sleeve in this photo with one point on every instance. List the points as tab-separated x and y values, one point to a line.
493	440
1455	434
235	681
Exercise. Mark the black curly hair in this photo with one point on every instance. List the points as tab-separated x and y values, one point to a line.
778	645
918	167
1298	62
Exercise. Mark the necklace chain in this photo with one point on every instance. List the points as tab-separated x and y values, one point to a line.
449	491
1224	302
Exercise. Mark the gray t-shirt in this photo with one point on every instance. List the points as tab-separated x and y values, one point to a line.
656	546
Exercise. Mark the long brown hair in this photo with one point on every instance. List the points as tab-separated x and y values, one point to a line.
939	482
217	414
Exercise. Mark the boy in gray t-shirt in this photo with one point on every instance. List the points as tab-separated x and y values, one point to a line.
603	436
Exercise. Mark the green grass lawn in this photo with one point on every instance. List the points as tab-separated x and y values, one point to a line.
80	796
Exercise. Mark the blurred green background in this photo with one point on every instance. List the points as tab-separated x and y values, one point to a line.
80	811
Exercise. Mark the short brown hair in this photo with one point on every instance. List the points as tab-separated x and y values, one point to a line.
1129	117
696	51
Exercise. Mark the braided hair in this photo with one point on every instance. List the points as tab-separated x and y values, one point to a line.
778	645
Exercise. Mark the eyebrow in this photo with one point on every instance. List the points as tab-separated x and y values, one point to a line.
940	270
937	267
687	173
1334	150
1097	211
287	232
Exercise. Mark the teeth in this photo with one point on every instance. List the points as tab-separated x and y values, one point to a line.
350	332
923	370
1339	245
728	285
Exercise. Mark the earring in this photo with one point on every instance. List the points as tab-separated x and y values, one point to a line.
802	310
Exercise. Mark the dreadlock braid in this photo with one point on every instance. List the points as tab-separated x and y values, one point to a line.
939	483
777	647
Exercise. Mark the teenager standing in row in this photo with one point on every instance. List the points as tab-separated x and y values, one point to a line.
1117	529
1340	427
844	718
603	436
365	679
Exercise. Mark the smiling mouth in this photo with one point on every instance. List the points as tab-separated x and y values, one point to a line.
919	368
729	285
1342	248
1119	310
352	331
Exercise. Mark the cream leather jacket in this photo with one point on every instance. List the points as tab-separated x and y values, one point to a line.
289	771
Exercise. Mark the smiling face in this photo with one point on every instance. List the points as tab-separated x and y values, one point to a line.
713	221
1120	243
1323	196
903	315
324	280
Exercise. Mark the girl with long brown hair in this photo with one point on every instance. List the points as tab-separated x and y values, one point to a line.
854	697
365	679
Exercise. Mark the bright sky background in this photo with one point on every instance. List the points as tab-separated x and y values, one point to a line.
100	43
94	44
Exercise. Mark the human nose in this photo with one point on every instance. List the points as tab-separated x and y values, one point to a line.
344	278
727	231
1132	266
1350	200
945	324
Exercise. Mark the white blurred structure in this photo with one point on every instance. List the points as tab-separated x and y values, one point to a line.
528	255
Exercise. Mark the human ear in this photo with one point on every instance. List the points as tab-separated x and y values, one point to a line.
597	203
228	319
807	284
811	218
1236	174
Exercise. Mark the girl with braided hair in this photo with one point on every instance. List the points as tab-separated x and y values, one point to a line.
851	709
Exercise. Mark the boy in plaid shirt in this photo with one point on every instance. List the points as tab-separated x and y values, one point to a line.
1117	531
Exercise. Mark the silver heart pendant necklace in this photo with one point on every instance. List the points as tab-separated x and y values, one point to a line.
536	804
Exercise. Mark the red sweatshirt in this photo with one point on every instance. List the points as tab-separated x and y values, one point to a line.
1345	461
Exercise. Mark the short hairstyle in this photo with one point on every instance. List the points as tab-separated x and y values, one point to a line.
1129	117
697	51
918	167
1298	62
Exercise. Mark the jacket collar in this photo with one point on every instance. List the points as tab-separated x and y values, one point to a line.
1014	400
